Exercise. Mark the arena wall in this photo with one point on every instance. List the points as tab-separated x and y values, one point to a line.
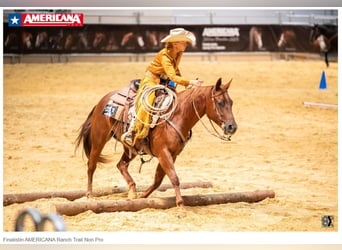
142	23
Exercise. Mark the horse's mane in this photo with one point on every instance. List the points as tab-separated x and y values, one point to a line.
188	93
331	29
186	98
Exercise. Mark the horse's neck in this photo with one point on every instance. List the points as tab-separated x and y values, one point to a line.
327	31
191	107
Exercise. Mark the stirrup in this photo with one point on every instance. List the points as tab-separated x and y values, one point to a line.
127	138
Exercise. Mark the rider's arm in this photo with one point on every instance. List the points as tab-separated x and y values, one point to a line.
171	72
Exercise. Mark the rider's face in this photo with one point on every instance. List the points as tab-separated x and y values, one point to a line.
180	46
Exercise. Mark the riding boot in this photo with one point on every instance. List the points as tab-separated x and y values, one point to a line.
128	137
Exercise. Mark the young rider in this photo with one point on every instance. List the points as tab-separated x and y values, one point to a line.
164	65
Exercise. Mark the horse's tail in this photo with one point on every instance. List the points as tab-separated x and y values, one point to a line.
84	136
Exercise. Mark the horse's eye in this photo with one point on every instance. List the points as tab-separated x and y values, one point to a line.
221	103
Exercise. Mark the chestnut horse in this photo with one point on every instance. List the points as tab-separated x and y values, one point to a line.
165	141
287	40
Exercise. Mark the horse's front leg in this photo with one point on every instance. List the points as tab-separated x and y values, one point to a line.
326	58
123	167
158	178
166	161
171	173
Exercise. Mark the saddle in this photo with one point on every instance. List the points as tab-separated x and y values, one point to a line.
121	101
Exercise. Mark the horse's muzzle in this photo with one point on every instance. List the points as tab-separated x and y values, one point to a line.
229	128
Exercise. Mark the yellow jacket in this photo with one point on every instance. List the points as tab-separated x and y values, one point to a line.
165	64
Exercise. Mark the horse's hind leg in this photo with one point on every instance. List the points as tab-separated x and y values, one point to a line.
99	136
91	169
123	167
94	157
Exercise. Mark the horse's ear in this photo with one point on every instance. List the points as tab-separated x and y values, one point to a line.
218	84
226	86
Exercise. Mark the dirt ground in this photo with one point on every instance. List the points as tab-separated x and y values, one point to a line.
280	145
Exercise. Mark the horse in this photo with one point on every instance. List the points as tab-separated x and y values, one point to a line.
255	39
165	141
42	40
112	43
287	40
56	40
11	41
68	41
82	40
76	41
100	40
151	38
27	40
132	41
326	37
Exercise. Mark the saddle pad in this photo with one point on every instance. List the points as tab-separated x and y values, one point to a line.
111	110
116	105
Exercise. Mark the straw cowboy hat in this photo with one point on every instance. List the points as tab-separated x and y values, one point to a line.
179	35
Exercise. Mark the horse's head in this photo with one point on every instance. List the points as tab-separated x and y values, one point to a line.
41	38
287	39
27	39
99	39
255	38
219	108
11	39
69	40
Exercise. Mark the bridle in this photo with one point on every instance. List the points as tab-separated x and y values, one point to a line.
216	134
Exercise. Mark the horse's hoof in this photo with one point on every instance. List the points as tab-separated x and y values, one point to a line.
180	203
89	195
132	195
182	212
143	195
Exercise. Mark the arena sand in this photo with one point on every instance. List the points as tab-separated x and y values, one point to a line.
280	145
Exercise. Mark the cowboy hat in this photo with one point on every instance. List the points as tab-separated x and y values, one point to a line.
179	35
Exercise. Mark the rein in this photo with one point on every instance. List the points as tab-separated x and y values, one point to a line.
216	134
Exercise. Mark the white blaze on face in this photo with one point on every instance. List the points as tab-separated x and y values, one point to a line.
259	40
141	41
281	41
321	42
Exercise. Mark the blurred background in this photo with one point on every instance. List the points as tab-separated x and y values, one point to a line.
131	34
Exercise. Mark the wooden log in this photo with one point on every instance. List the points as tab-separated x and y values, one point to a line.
9	199
321	105
74	208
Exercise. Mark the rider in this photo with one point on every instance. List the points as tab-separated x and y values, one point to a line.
164	65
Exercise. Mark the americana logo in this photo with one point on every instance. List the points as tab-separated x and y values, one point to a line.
45	19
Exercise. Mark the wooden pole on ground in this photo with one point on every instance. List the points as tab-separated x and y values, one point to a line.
74	208
321	105
9	199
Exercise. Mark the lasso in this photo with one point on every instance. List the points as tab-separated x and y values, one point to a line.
167	107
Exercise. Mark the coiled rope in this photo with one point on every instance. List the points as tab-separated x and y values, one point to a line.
166	108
